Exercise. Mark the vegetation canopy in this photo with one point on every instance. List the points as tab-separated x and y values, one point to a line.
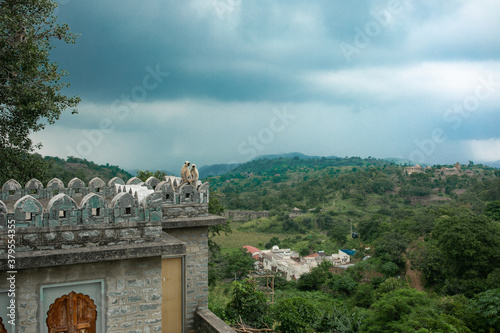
30	84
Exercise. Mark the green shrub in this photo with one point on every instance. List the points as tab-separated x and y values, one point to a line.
297	315
342	284
249	304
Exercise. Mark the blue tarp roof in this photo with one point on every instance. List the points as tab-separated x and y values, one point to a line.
349	252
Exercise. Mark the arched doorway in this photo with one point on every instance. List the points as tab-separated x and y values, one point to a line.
72	313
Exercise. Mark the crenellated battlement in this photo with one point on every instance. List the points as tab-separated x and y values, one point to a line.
100	203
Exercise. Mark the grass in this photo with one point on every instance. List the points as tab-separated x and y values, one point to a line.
218	297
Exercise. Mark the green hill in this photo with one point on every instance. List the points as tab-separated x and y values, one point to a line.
72	167
354	183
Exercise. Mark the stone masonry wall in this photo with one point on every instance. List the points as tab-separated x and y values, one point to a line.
132	287
196	240
184	210
77	236
245	215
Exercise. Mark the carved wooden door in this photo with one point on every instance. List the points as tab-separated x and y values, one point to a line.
2	327
72	313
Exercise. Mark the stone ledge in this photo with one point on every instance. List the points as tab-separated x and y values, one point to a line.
207	322
179	223
83	235
34	259
186	210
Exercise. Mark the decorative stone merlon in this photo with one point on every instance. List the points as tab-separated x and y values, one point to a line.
114	202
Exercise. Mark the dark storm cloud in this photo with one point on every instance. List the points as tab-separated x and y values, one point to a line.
256	50
361	78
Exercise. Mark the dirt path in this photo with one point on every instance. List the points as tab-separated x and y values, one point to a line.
414	276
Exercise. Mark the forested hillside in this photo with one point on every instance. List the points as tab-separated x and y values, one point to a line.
432	239
362	184
72	167
44	168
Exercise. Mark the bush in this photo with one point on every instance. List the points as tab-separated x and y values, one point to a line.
341	320
487	309
316	278
408	310
364	296
390	269
249	304
342	284
392	284
297	314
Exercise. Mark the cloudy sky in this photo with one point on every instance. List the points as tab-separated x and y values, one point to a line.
218	81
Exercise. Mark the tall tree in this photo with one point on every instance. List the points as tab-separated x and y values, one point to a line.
469	250
30	84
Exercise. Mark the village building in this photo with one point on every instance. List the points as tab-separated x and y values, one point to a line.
105	257
291	265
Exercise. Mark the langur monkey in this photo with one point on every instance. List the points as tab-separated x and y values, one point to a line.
185	172
194	176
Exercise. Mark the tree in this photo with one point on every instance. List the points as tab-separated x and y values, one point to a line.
145	174
30	83
316	278
339	231
215	207
487	309
297	314
274	241
343	284
249	304
391	247
409	310
470	246
493	210
238	263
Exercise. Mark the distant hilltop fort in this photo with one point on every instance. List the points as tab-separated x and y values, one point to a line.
456	170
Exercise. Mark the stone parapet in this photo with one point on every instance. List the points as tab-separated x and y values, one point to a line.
166	245
81	236
181	223
207	322
184	210
56	205
245	215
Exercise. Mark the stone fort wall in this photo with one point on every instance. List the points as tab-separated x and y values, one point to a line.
115	202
